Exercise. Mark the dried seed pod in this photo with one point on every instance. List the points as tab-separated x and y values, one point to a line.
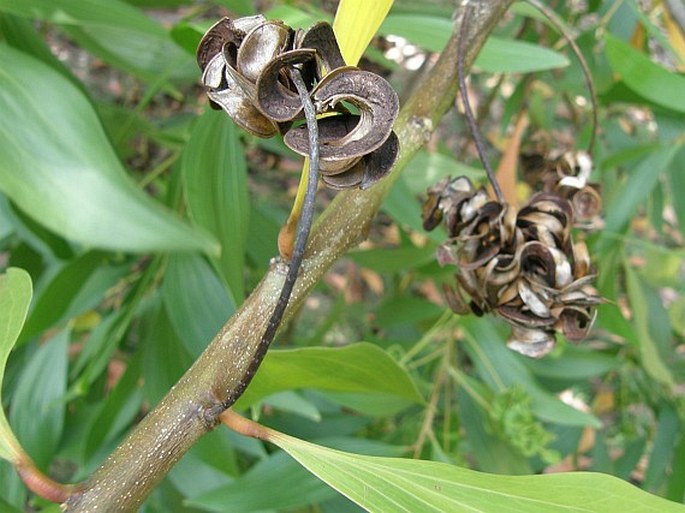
274	99
346	138
321	38
225	93
245	65
567	176
225	32
521	265
368	170
260	46
531	342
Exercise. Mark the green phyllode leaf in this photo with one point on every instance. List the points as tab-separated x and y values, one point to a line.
196	300
215	183
361	367
652	359
15	298
644	77
39	409
390	485
498	55
115	31
58	166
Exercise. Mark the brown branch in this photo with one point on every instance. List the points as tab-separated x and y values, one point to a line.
192	406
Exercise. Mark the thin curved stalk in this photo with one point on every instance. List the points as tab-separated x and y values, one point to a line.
304	227
554	20
468	112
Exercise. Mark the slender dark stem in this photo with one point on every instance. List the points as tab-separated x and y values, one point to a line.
304	227
554	20
471	121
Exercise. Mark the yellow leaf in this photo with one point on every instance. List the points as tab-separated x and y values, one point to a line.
355	24
675	37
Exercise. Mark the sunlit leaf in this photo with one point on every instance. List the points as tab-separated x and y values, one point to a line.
644	77
359	367
394	485
57	165
290	486
355	24
15	298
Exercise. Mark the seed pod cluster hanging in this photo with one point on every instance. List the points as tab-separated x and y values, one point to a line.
245	65
568	176
521	264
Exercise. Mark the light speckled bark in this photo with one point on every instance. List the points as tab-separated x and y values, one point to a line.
192	406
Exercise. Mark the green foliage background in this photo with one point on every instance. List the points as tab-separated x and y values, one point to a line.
144	219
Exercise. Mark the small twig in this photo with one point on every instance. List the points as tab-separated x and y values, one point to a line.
471	121
558	24
304	227
243	426
42	485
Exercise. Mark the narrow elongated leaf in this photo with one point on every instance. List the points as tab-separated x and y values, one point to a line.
38	408
53	302
389	260
361	367
498	55
290	486
115	31
652	360
395	485
641	182
575	364
118	410
166	358
15	298
355	24
21	34
501	55
405	309
665	440
214	173
677	178
645	77
57	165
196	301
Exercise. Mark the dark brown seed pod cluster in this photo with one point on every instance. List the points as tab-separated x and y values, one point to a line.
245	65
521	264
568	176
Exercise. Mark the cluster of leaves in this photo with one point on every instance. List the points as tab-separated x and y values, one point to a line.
142	223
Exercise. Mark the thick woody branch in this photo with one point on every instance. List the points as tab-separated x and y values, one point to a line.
192	406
